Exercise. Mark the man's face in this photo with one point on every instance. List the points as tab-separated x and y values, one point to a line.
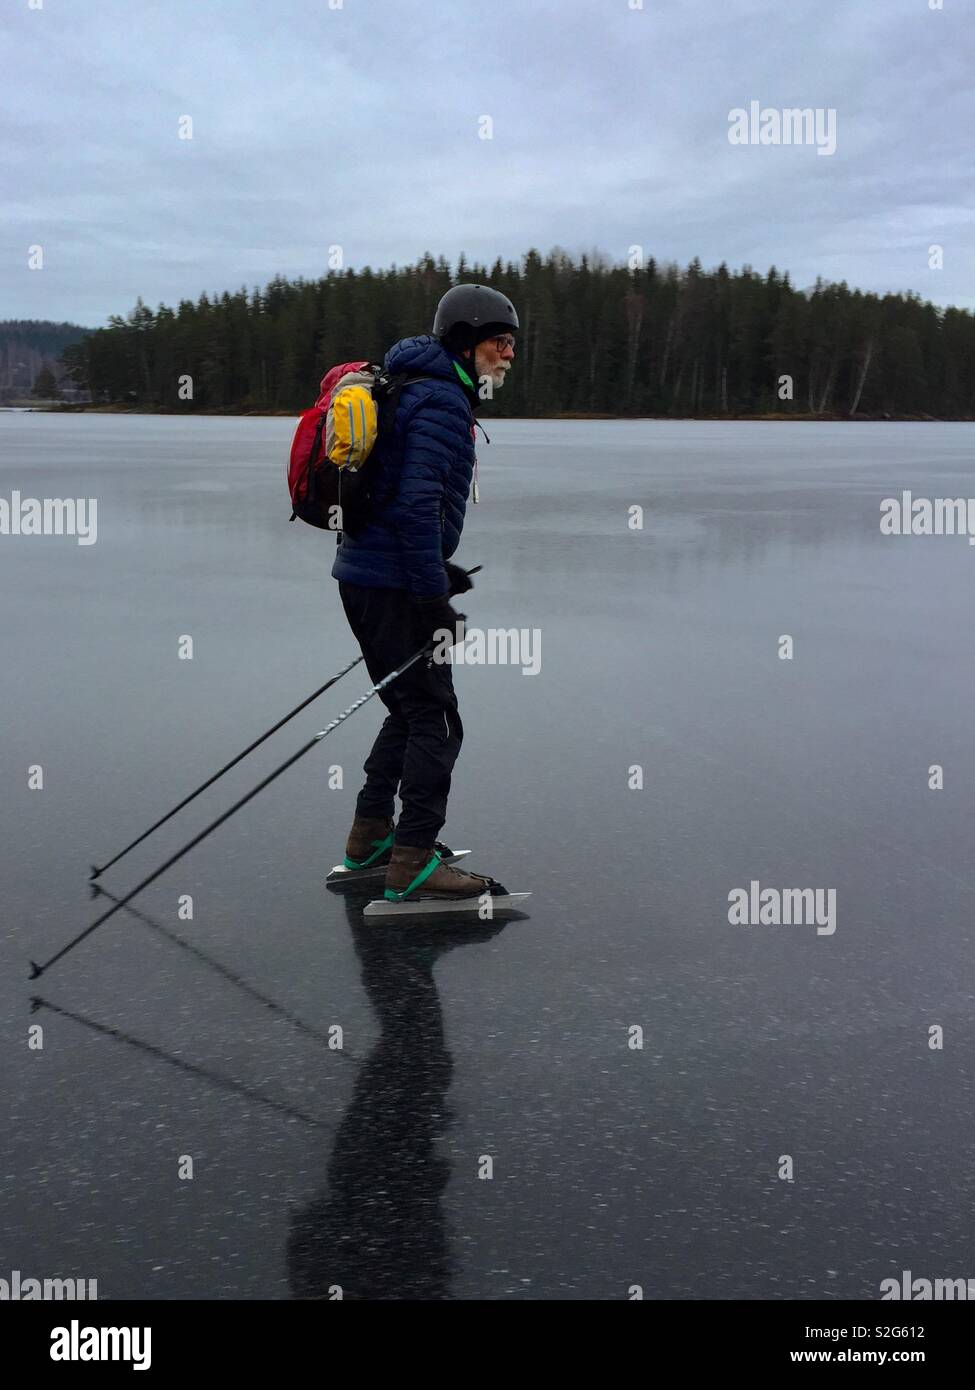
493	359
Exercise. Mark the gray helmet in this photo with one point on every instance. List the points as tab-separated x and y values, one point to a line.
471	309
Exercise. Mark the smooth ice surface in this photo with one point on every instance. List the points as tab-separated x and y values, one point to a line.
612	1166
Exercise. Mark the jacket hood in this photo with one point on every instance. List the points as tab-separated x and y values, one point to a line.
424	354
420	354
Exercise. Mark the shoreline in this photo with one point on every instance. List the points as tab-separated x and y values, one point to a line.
803	417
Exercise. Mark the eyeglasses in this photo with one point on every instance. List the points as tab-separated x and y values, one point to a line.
505	341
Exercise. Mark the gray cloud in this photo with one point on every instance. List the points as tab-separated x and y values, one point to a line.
358	127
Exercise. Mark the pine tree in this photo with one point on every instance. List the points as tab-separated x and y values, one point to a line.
45	386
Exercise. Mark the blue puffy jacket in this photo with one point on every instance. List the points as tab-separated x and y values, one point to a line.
423	470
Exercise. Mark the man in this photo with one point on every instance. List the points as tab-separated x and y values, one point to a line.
396	585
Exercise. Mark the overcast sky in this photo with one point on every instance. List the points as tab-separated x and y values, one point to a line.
359	126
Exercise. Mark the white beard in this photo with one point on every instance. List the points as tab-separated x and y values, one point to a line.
496	377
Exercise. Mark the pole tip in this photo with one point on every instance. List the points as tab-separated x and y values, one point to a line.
95	871
35	970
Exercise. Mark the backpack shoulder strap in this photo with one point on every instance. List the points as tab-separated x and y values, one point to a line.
389	391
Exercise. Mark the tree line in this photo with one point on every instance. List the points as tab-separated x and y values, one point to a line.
29	353
596	338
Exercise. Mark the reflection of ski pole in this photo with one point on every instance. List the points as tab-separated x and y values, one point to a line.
36	969
241	984
95	870
226	1082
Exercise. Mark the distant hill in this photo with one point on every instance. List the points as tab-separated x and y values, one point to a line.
29	345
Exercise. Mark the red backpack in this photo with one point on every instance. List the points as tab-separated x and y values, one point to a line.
331	470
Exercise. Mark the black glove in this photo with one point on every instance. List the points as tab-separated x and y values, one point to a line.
435	614
460	580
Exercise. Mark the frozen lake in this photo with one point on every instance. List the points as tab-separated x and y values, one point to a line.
614	1164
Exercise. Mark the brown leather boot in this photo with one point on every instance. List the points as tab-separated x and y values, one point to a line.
444	882
364	847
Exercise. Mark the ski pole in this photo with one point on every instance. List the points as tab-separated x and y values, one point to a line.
36	970
95	870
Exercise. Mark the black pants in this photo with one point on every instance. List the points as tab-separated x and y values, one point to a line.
421	736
